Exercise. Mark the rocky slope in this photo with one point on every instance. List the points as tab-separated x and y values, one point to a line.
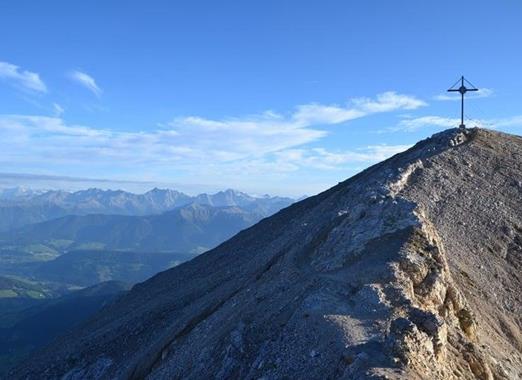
410	269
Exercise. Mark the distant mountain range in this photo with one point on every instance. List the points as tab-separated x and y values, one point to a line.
20	207
159	220
100	238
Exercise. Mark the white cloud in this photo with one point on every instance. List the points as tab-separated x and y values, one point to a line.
356	108
86	81
271	132
21	78
51	140
322	158
321	114
414	124
389	101
265	146
481	93
236	138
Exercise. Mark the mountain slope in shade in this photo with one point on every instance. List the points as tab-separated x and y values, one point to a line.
409	270
39	324
192	228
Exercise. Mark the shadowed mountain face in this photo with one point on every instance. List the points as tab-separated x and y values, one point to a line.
192	228
411	269
46	318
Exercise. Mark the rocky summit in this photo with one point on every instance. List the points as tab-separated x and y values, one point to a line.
409	270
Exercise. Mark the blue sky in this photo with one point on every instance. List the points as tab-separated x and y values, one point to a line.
284	97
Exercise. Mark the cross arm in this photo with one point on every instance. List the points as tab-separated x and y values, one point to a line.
458	90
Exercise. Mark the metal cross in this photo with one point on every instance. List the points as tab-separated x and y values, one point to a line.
462	89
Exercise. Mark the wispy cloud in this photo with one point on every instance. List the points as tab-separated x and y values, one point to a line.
414	124
321	158
198	139
355	108
86	81
237	138
260	146
481	93
58	110
271	132
21	78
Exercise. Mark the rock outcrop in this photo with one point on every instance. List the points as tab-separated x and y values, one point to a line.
408	270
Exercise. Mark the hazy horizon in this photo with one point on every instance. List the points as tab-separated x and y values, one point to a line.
38	182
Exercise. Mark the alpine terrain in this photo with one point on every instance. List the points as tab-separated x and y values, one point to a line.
409	270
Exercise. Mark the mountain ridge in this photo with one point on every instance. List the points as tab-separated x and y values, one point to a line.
381	276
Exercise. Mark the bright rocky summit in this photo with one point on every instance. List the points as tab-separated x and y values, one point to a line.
409	270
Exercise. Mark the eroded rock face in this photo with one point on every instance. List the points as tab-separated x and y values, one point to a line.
409	270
